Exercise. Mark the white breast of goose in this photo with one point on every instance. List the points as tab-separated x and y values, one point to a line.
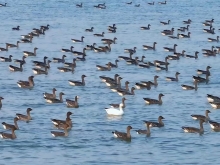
72	83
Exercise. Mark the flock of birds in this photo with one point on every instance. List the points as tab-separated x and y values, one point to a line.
114	84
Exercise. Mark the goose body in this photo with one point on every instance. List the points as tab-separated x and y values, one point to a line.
13	45
60	134
25	40
80	53
75	40
25	118
26	84
78	83
114	111
123	136
58	121
50	95
173	78
104	40
40	71
123	92
154	101
99	35
214	125
188	87
11	136
156	124
54	100
122	104
170	49
4	49
16	69
104	68
90	30
67	50
165	23
212	98
193	129
146	28
6	59
59	60
213	39
199	117
146	47
145	132
26	53
72	103
190	56
199	71
20	61
11	126
215	105
185	36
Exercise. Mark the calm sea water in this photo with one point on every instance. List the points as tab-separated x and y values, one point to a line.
91	140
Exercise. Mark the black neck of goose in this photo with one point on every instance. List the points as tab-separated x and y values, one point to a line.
61	98
160	121
201	126
84	51
132	91
126	87
166	67
82	39
155	81
76	99
21	65
71	49
7	47
116	78
16	124
45	61
128	133
148	129
31	82
130	55
206	114
177	77
109	66
83	80
29	114
142	59
0	104
116	63
160	99
196	85
123	102
54	92
48	64
119	83
175	49
13	134
154	46
196	55
65	131
17	44
35	51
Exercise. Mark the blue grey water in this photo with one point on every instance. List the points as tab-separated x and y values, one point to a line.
91	140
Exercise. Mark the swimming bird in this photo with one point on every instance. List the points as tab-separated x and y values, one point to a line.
201	79
158	62
72	103
114	111
151	3
174	37
154	101
145	132
104	68
171	49
79	53
155	83
199	117
193	129
215	105
146	27
40	71
59	60
26	84
188	87
41	63
54	100
123	93
114	65
79	5
165	23
13	45
172	78
67	50
3	5
190	56
123	136
210	21
89	30
116	85
62	125
125	57
213	39
167	32
75	40
1	98
16	69
146	85
162	3
156	124
122	104
25	118
4	49
11	126
129	3
58	121
12	136
199	71
50	95
16	28
78	83
25	40
146	47
188	21
81	58
6	59
70	64
99	35
214	125
65	69
212	98
26	53
45	27
132	61
61	134
104	78
185	36
105	40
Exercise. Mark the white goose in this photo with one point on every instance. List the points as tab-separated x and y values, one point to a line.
114	111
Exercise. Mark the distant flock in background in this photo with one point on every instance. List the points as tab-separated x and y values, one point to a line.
114	84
